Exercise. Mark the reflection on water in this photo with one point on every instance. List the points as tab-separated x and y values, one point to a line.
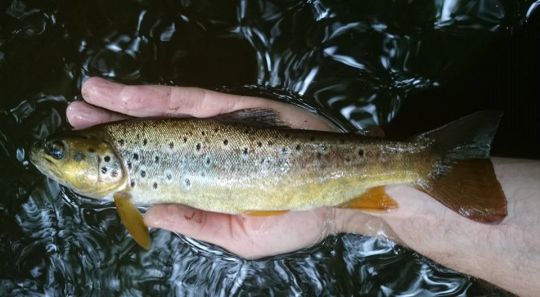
355	62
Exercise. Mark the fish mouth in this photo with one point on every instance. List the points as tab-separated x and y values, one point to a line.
36	150
37	154
41	160
45	166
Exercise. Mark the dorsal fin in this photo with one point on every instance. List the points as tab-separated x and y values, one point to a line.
372	131
254	117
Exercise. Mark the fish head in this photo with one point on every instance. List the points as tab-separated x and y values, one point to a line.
85	163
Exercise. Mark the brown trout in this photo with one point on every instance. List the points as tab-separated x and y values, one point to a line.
247	162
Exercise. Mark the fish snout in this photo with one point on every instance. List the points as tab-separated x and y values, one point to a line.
37	149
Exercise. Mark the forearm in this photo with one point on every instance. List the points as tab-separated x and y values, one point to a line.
507	254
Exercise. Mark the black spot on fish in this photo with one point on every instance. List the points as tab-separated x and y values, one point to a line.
245	151
361	153
225	142
284	150
91	150
135	156
198	147
129	165
259	144
121	142
114	173
168	176
216	130
132	184
171	145
262	161
154	185
207	160
270	143
187	182
143	173
145	141
297	147
79	156
185	139
347	159
107	158
156	159
138	136
103	170
203	133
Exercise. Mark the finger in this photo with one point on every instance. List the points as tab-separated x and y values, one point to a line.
157	101
249	237
82	115
154	100
205	226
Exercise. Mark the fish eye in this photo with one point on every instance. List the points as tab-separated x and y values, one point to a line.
56	149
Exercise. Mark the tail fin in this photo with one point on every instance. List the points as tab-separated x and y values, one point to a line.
464	179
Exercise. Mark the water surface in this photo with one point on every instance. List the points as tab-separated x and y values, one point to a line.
405	65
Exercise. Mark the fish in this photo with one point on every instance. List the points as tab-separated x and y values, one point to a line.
249	162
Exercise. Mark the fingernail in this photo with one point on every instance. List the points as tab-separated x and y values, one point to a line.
89	113
81	115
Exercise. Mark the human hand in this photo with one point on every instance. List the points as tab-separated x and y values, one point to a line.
504	254
247	236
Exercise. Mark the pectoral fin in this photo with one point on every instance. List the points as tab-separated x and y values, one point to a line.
373	199
132	219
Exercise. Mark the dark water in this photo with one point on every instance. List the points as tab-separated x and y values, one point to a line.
404	65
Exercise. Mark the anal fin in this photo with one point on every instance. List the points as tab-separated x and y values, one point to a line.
373	199
132	219
266	213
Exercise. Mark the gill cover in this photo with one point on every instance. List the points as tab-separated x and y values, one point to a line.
86	163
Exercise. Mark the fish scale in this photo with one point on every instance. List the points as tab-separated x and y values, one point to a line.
247	162
242	169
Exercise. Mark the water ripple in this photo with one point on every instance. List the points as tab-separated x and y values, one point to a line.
354	62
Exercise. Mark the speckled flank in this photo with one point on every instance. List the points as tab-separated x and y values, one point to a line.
233	168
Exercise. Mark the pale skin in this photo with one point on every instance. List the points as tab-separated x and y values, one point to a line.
507	255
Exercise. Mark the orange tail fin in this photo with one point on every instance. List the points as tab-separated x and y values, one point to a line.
463	179
470	188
